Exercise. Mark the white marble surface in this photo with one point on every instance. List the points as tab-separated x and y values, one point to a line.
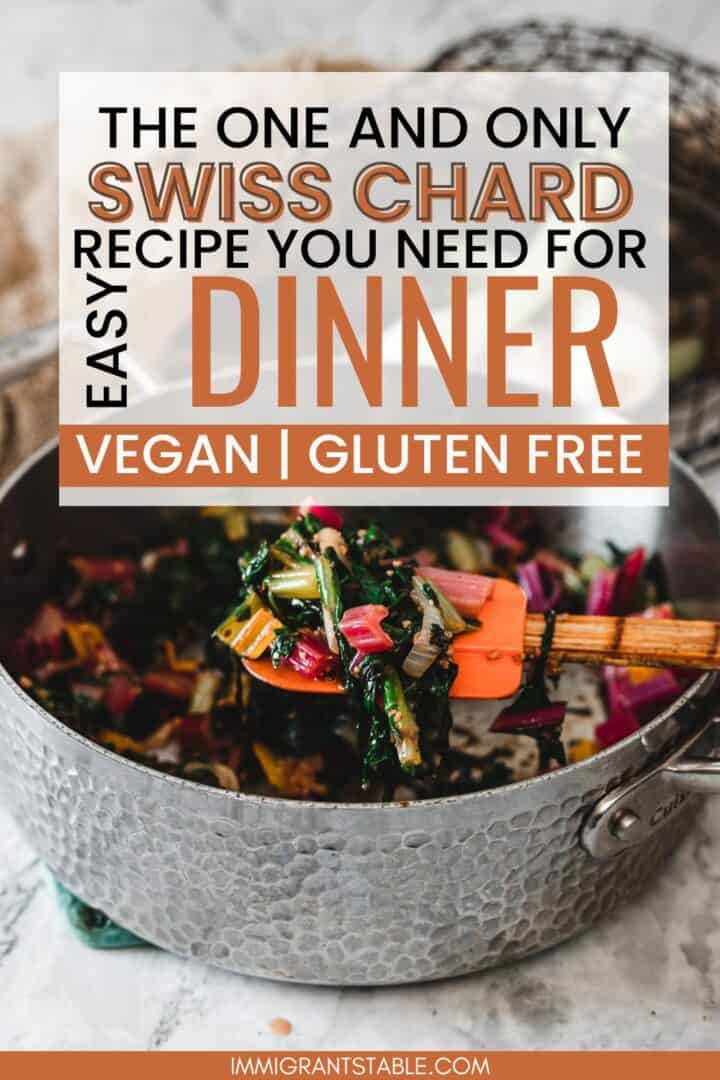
647	978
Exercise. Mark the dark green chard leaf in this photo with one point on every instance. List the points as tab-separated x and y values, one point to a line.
429	699
255	571
370	591
532	713
372	543
295	613
308	525
617	554
286	548
387	591
657	580
369	690
282	645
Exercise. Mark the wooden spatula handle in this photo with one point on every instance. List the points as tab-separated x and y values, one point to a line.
606	639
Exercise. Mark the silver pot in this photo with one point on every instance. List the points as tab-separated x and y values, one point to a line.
355	894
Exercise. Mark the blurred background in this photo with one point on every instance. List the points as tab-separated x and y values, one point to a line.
43	37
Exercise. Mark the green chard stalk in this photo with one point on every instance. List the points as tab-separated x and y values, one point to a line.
403	726
330	597
298	583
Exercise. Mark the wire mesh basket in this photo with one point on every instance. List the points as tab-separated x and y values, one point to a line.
533	45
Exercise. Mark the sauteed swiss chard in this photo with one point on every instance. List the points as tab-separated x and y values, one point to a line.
142	652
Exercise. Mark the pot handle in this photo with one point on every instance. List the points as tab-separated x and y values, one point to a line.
699	775
630	813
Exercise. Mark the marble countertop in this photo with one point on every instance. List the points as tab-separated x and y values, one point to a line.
649	977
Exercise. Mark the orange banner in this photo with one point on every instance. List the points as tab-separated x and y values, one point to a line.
361	1065
121	455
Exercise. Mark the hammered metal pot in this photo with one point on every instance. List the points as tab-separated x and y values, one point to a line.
353	894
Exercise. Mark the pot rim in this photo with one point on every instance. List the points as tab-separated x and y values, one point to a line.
704	682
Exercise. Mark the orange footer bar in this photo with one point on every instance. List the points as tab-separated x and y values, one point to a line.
361	1065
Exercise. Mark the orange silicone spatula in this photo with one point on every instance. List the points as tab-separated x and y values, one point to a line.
490	658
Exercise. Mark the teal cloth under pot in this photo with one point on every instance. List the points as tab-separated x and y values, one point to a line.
93	927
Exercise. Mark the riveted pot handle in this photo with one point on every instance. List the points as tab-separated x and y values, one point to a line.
701	775
631	813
